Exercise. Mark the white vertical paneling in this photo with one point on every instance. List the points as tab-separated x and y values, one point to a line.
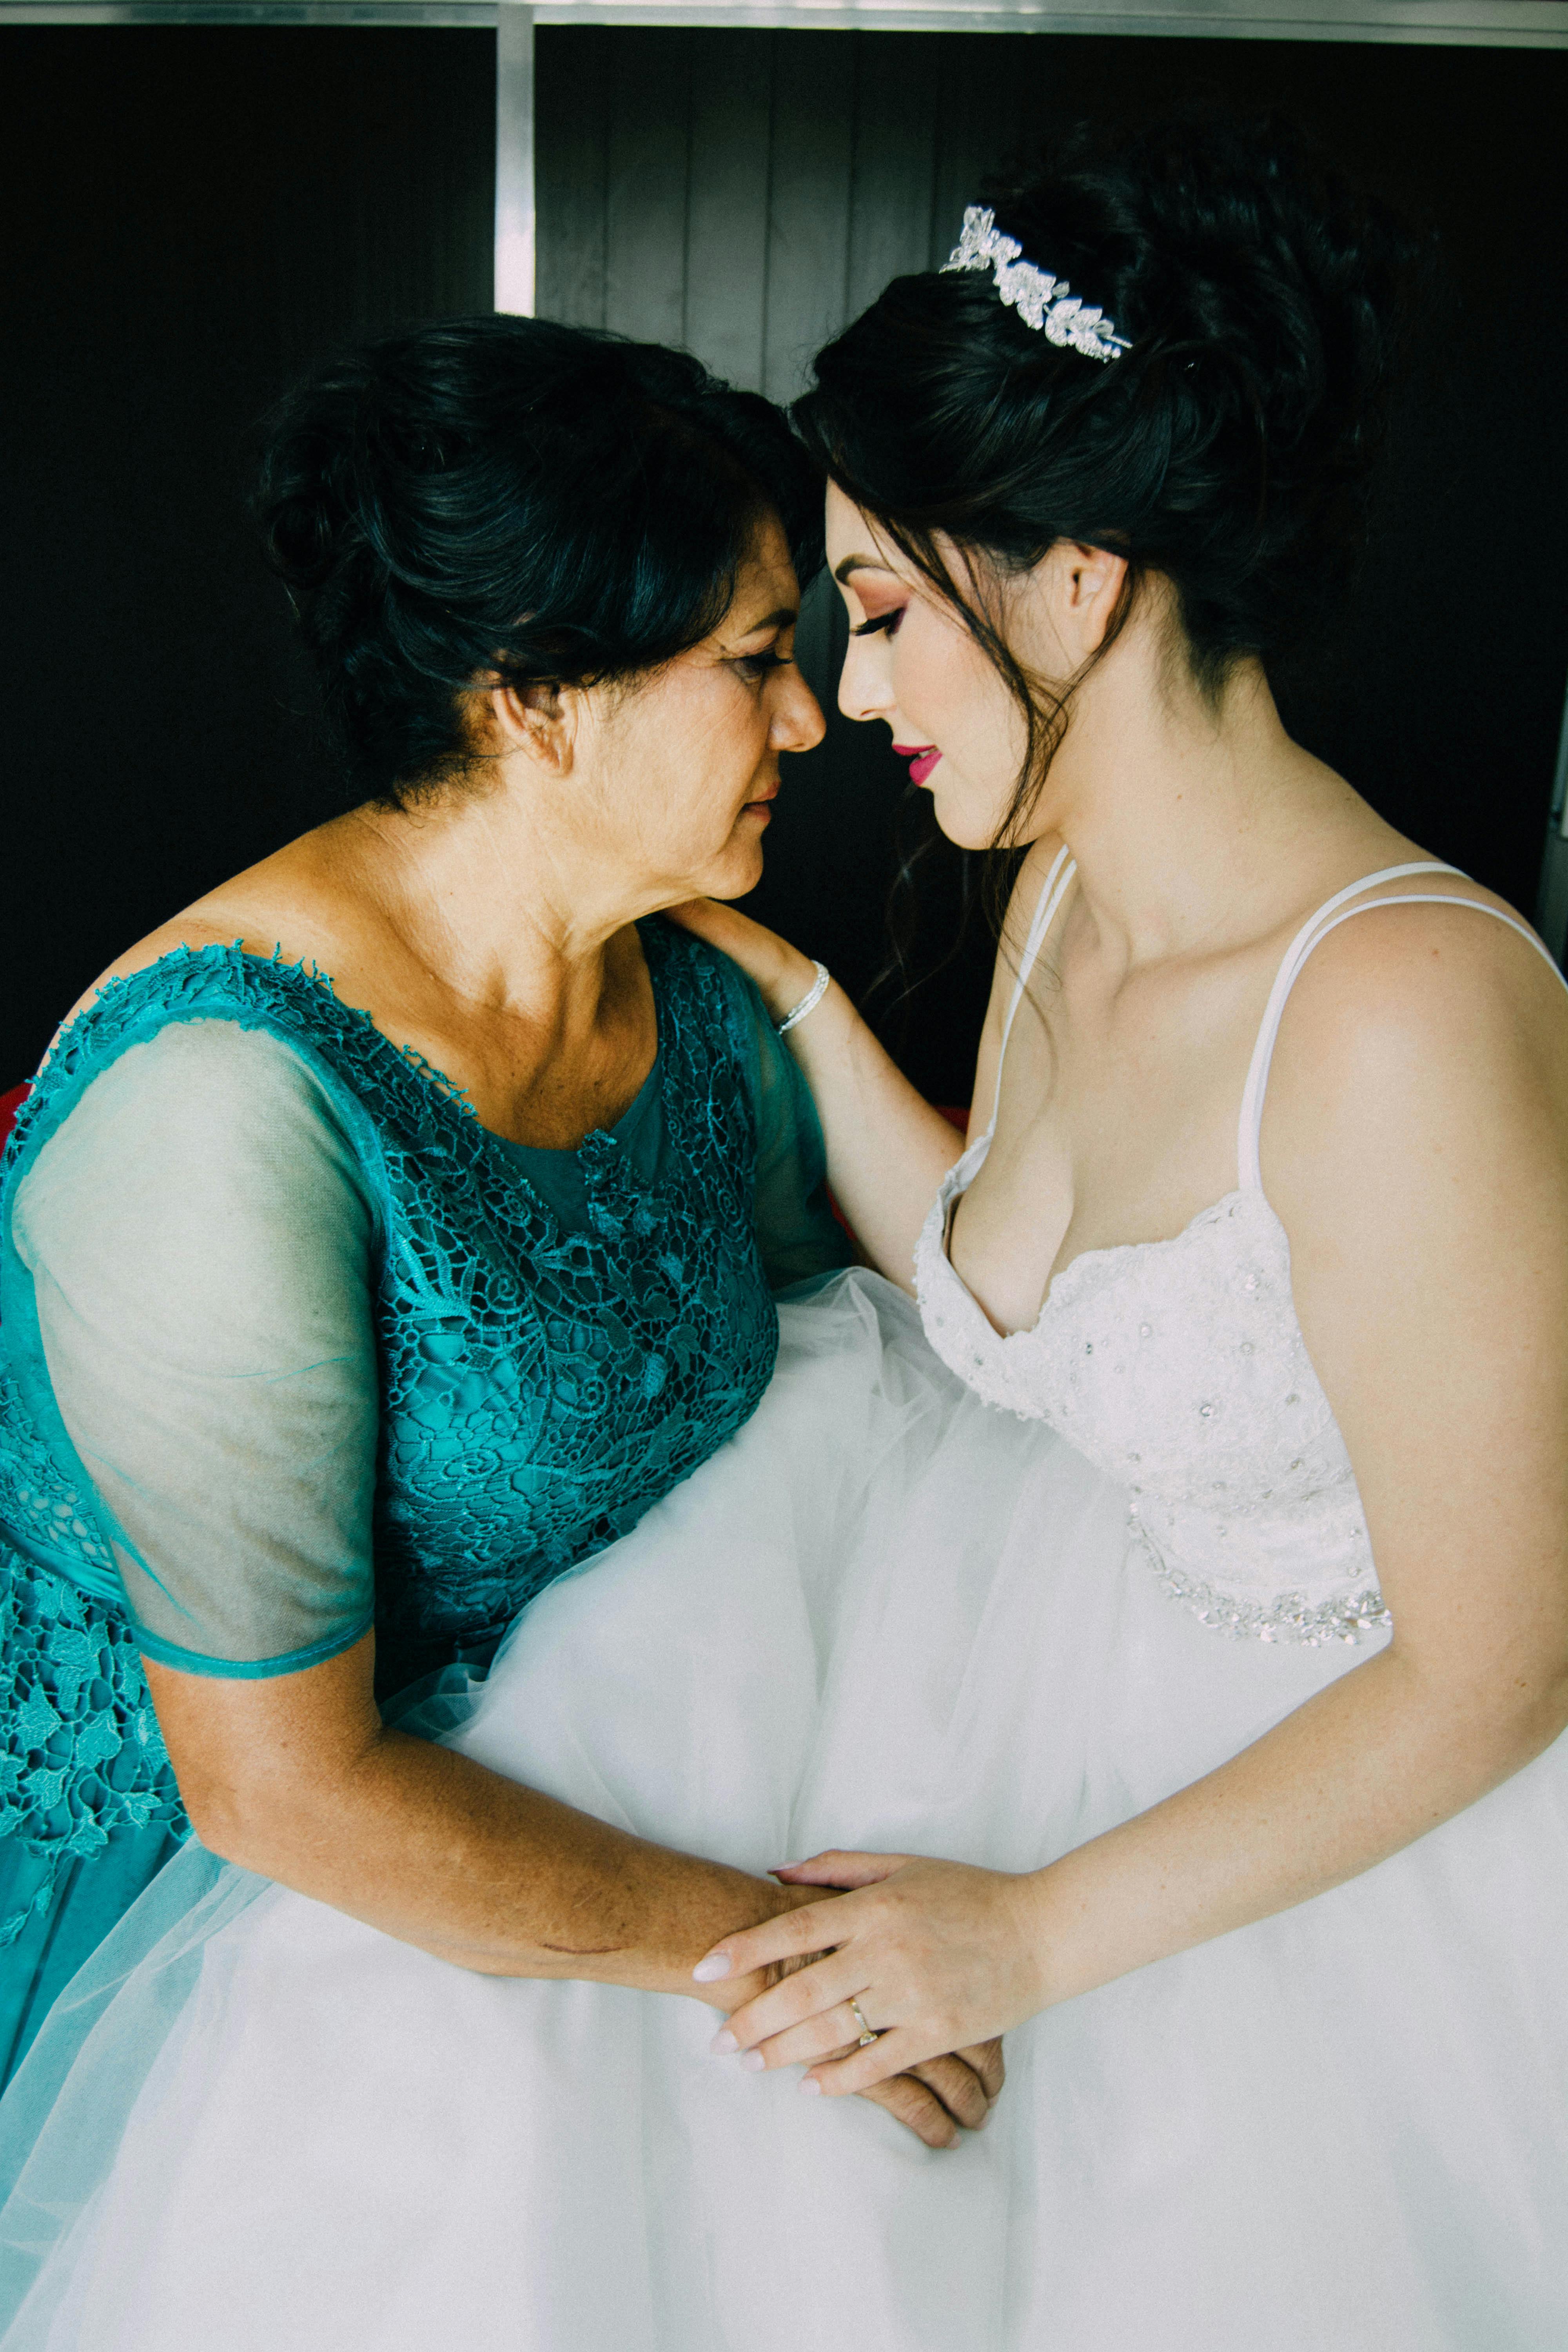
645	226
808	203
514	253
727	214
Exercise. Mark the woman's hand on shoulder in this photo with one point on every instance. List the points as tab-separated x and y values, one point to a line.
780	974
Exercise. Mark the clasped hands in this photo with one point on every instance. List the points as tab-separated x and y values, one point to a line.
941	1960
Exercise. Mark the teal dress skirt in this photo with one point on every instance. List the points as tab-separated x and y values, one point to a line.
292	1347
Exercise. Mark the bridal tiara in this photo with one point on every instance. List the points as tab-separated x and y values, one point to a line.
1040	299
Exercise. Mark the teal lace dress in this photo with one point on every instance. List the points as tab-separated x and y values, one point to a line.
292	1346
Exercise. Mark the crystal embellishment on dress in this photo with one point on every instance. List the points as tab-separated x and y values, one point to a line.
1043	303
1288	1617
1247	1511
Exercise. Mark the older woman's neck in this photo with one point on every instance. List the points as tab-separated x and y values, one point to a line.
509	912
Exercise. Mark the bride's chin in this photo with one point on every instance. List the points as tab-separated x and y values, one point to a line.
963	827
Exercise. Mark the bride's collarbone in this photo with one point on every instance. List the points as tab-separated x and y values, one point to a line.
1050	1192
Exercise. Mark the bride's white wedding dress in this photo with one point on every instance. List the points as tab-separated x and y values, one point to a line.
888	1614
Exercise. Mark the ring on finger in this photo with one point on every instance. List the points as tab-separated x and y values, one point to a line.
866	2036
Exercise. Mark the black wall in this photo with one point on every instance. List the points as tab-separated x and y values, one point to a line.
191	214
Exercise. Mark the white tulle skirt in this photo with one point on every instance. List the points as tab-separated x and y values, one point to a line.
884	1616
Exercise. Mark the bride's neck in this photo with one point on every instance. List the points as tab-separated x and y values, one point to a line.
1195	825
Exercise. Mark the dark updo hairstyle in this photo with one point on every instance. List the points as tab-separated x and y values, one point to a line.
1227	452
507	498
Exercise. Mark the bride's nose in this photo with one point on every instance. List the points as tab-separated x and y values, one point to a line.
864	690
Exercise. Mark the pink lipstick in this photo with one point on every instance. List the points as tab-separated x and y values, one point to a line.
922	758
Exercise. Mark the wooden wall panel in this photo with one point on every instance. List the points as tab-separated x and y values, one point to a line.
892	196
572	114
727	217
808	205
743	193
646	187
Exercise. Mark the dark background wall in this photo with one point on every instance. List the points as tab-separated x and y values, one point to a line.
191	214
748	192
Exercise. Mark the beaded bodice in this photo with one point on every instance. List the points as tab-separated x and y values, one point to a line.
1179	1367
539	1388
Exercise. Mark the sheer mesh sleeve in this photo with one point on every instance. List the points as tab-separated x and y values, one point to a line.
198	1235
797	1232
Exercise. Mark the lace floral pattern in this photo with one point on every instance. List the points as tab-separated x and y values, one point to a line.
1179	1367
539	1389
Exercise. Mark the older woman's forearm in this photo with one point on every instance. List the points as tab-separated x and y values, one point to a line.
298	1780
514	1883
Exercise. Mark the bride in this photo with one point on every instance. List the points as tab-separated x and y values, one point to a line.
1185	1569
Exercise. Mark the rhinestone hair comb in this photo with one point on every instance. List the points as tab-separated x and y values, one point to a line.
1042	302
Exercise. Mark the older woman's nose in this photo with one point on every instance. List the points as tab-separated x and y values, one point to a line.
798	722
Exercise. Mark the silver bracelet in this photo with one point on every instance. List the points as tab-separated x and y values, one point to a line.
810	1000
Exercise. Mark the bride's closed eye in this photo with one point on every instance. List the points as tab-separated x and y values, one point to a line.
889	620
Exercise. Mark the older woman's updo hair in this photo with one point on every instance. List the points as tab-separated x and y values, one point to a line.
507	499
1228	451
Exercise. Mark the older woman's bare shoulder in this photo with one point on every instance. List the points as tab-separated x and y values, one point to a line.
290	904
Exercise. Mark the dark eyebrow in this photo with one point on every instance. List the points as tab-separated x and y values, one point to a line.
784	618
857	564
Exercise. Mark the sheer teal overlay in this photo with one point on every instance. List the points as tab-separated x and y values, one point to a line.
290	1345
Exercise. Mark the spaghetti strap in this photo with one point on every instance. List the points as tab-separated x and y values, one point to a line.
1053	891
1313	932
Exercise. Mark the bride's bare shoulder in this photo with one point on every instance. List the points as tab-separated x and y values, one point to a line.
1421	1035
1427	957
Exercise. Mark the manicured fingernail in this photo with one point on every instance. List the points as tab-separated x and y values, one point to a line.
753	2062
784	1865
812	2090
710	1970
723	2044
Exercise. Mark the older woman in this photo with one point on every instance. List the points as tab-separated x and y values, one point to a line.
396	1225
